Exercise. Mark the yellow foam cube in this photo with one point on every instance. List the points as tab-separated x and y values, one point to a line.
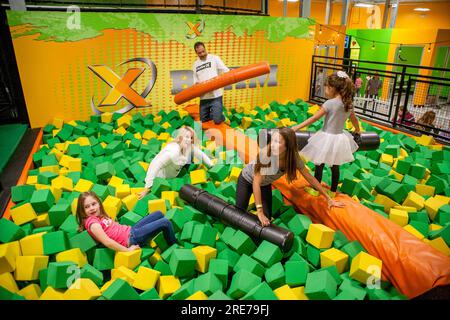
52	294
386	202
167	286
124	121
32	245
285	293
425	140
157	205
112	206
413	231
149	134
198	176
130	201
154	258
42	220
299	292
146	278
128	259
434	227
445	199
387	159
144	165
65	160
28	267
171	196
121	131
124	273
58	154
166	125
23	214
8	255
31	180
400	217
82	289
432	206
31	292
334	257
7	281
73	206
320	236
398	176
63	183
122	191
405	208
54	169
234	174
425	190
364	266
440	245
115	181
199	295
57	193
163	136
246	122
83	141
414	200
204	254
74	255
83	185
42	187
211	146
106	117
106	285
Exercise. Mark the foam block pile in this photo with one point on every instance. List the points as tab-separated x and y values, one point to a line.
44	256
407	180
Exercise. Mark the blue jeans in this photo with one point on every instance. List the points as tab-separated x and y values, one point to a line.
212	109
149	226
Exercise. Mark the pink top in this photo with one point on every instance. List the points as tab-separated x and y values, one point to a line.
114	230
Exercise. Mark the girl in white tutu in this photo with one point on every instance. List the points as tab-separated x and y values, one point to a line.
332	145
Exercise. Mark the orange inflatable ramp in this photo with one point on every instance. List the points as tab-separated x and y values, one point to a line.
412	266
223	80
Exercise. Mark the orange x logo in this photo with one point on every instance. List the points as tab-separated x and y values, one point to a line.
193	28
121	87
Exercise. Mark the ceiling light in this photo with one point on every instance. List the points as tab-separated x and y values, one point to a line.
422	9
364	5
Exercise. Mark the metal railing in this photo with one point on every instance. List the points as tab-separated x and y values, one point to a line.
410	98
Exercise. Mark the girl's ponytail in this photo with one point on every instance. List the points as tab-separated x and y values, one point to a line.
344	86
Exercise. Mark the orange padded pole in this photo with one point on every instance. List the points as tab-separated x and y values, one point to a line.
223	80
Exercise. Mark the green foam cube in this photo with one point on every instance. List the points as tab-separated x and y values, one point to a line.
83	241
42	200
320	285
296	273
268	254
9	231
247	263
55	242
208	283
60	274
260	292
242	283
242	243
120	290
182	262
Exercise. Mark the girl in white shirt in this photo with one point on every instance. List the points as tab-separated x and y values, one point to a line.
173	157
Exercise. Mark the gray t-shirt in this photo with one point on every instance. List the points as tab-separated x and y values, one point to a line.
249	173
335	117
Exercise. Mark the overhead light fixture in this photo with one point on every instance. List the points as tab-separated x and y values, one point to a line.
320	30
422	9
373	45
363	5
429	48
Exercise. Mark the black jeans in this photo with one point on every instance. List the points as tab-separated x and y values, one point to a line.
244	191
212	109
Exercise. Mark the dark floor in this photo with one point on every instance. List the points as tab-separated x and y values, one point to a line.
13	169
